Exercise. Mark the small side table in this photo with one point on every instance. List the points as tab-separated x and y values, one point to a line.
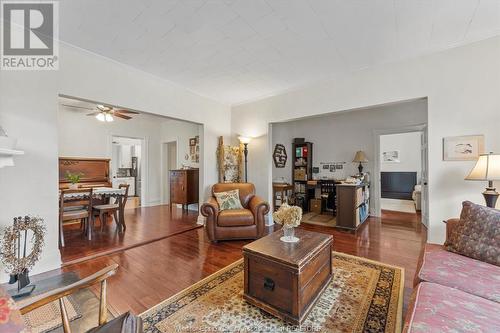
284	190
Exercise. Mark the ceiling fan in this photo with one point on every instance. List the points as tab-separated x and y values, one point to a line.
105	113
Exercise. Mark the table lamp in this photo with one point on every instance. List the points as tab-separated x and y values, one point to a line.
360	158
487	168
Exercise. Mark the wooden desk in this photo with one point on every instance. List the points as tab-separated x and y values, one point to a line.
283	190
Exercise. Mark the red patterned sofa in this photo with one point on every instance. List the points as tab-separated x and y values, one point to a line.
454	293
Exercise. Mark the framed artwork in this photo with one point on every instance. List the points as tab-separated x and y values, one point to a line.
279	156
463	148
326	166
229	162
332	167
192	142
391	156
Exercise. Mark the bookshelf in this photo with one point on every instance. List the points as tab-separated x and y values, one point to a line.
302	172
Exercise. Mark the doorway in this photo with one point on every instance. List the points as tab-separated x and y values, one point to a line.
169	162
401	169
127	159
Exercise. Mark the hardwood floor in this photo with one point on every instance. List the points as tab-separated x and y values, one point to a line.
150	273
144	225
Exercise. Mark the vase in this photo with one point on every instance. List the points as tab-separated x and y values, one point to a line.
289	234
73	186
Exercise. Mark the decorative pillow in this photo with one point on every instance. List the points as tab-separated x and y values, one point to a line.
228	200
477	234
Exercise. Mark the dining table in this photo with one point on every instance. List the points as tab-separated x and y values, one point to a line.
104	194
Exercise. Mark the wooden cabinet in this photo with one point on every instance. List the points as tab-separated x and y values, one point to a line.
353	203
184	187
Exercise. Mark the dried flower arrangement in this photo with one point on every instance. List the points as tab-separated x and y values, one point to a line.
289	216
15	259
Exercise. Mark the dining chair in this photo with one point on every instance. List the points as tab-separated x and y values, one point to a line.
112	208
82	212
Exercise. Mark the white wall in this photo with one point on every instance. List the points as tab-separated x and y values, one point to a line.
409	147
30	187
28	111
181	132
82	136
337	137
461	84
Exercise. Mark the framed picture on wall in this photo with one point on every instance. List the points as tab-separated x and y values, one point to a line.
326	166
390	156
192	142
463	148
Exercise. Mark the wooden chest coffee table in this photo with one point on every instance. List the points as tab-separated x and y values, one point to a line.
286	279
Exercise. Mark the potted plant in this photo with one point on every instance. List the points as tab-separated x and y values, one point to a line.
74	179
289	217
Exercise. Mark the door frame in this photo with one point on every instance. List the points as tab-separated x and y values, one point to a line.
163	176
144	163
376	190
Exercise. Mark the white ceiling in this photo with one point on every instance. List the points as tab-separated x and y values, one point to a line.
235	51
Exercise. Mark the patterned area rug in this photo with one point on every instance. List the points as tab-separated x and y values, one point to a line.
326	220
48	317
364	296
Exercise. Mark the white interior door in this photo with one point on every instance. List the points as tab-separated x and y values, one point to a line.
425	179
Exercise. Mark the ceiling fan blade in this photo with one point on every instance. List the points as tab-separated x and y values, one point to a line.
126	111
94	113
119	115
77	107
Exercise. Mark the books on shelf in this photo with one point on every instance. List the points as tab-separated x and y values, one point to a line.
301	152
300	188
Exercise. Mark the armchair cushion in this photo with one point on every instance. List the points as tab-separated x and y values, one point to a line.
246	191
477	234
228	200
235	217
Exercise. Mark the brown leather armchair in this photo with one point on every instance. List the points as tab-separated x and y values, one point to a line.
246	223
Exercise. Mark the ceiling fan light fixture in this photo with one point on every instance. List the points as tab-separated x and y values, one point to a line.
108	117
101	117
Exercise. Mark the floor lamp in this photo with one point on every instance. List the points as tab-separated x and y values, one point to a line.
245	141
487	168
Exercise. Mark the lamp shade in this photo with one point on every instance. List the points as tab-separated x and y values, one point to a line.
487	168
360	157
244	139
